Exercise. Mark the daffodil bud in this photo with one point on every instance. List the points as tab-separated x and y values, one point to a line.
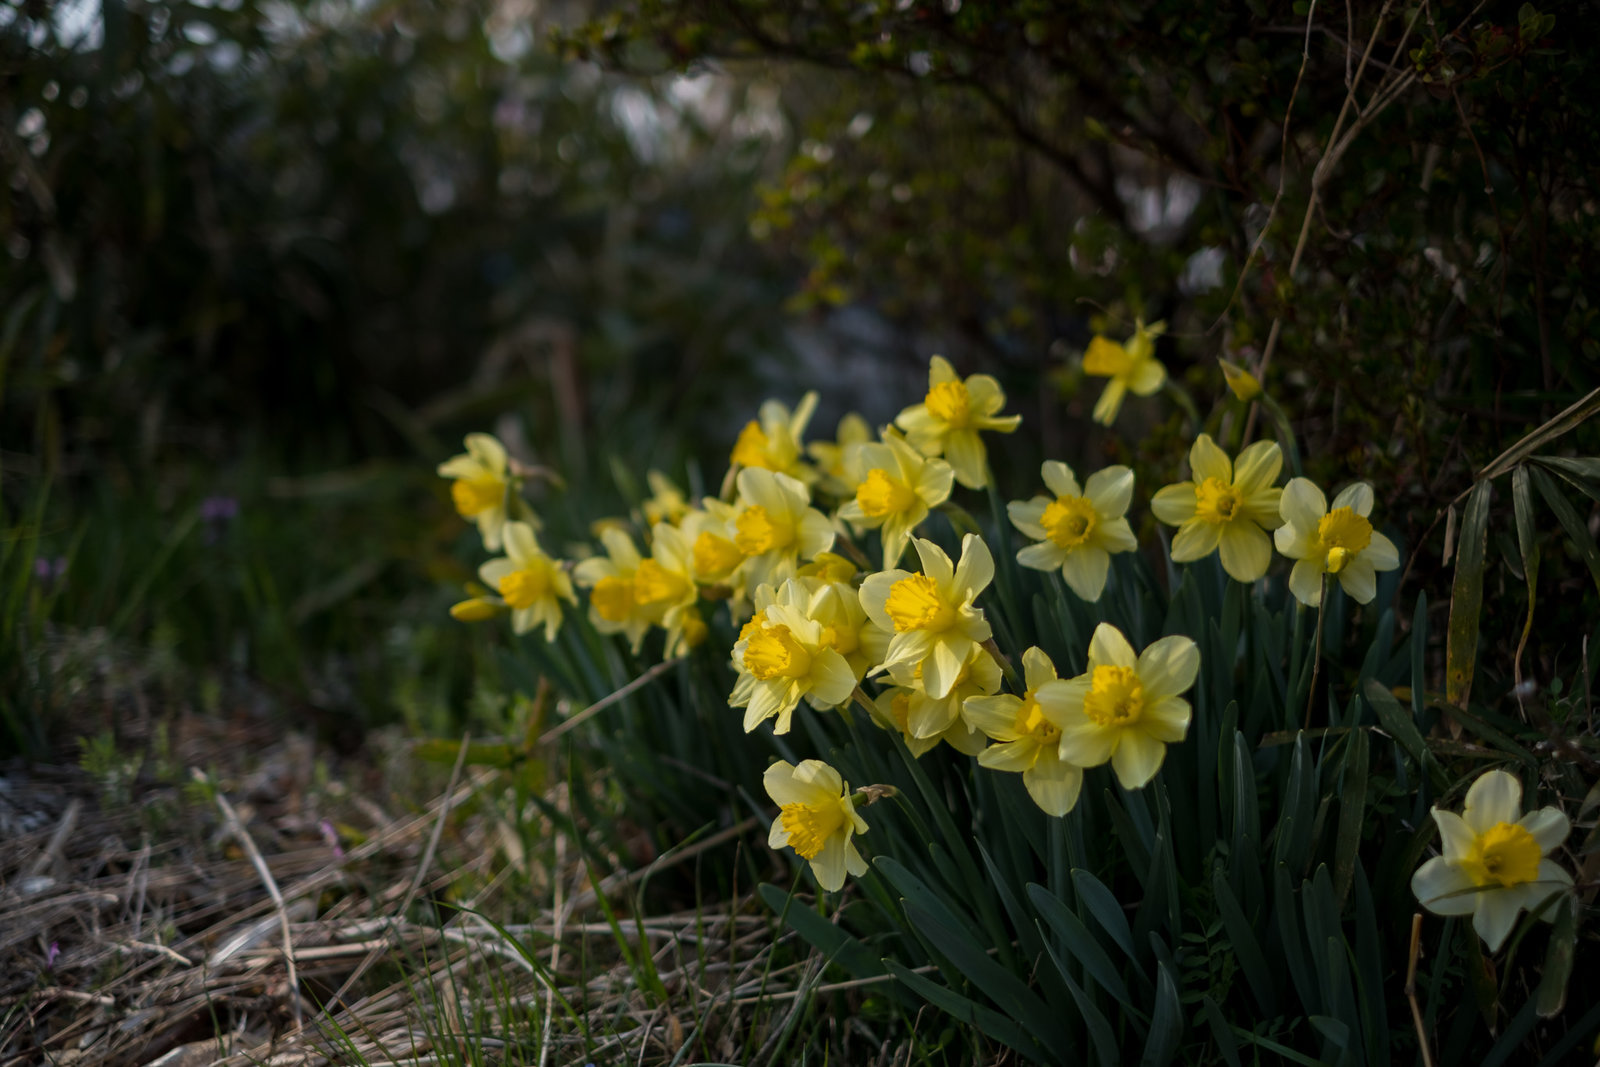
1244	385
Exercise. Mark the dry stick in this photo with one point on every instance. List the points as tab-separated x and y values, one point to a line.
661	863
58	840
271	885
1319	174
1283	171
606	701
1411	989
416	881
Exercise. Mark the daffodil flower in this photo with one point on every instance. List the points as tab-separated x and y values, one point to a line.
776	526
948	420
1132	367
943	717
664	588
530	582
1029	731
1340	542
817	818
482	485
1228	506
897	487
772	442
1079	529
666	503
933	615
1127	709
613	608
1494	861
892	711
832	458
782	656
846	627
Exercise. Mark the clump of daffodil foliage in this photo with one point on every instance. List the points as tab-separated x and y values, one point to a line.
1132	776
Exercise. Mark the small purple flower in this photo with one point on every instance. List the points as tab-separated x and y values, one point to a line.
51	954
48	571
218	512
331	837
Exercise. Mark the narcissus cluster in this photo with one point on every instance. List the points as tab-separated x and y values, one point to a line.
805	549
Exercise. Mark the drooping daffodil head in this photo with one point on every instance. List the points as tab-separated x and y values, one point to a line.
483	488
1495	859
1028	732
529	581
817	818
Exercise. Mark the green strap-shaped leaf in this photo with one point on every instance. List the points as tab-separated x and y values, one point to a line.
1584	473
1352	812
1466	599
1105	1042
963	1010
1166	1026
1552	994
1557	426
1079	942
1573	523
826	937
1245	946
1102	904
1226	1045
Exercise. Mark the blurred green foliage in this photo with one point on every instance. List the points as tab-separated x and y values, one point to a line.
285	254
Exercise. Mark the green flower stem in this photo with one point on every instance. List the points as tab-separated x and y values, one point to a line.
1181	397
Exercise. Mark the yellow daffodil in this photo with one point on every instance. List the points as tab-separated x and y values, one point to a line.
817	818
613	607
933	615
1340	542
948	420
1127	709
942	717
786	658
897	487
830	567
1132	367
832	458
483	487
1029	731
846	628
1241	382
891	710
1228	506
775	526
664	588
772	442
666	502
710	535
1079	529
530	582
1494	861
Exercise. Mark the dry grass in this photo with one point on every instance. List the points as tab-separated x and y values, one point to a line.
128	938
